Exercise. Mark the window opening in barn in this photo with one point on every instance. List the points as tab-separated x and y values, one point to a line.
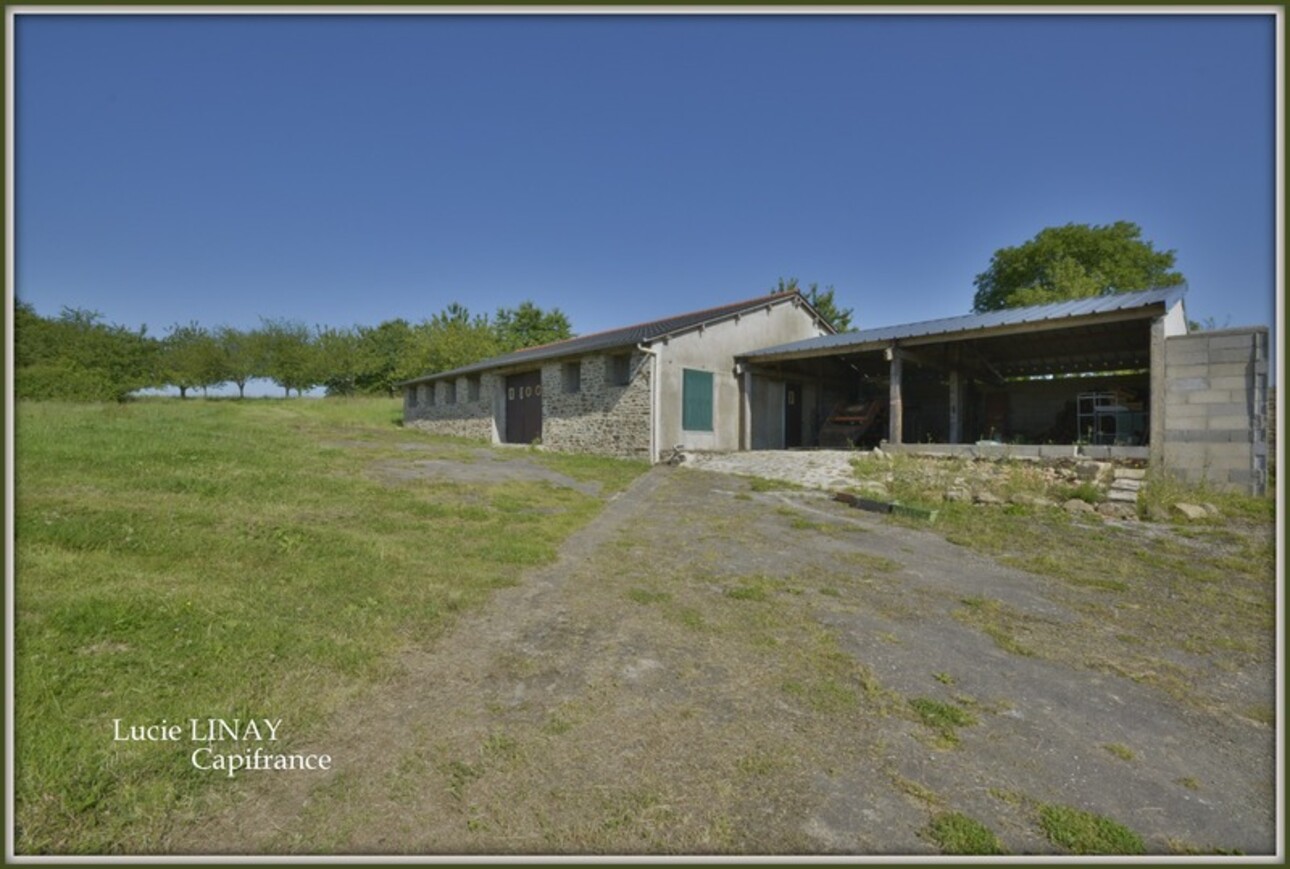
620	369
696	400
472	388
427	393
572	377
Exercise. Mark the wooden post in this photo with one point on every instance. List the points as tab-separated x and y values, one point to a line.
956	403
895	410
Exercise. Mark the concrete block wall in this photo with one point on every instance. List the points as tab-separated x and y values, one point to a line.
1216	386
601	417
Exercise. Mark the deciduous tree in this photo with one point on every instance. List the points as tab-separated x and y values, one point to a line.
288	355
821	300
191	358
242	355
529	326
77	357
1074	261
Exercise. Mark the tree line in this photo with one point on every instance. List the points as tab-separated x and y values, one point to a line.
78	356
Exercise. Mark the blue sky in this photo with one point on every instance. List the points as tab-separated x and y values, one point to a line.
341	170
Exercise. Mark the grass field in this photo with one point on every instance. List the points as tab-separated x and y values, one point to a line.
304	561
231	559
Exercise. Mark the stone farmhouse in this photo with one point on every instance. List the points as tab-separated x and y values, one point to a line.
1110	377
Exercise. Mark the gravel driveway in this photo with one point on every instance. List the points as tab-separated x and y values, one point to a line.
713	669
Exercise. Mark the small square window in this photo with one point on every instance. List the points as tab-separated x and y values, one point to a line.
620	369
571	375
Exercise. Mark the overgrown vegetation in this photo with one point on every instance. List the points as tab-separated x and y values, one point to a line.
227	559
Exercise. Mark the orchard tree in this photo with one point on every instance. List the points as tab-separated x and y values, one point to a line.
288	355
242	355
191	358
336	353
821	300
1075	261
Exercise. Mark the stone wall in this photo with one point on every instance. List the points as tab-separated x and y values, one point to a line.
601	417
1216	387
428	407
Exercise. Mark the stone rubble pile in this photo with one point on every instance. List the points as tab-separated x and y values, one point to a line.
984	482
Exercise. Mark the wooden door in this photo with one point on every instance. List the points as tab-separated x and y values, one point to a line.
524	407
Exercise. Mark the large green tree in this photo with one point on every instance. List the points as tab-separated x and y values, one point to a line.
529	326
385	356
821	300
1074	261
453	338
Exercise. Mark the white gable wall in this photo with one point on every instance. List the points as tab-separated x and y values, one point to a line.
713	348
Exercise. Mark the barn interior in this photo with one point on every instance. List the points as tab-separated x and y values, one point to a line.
1056	382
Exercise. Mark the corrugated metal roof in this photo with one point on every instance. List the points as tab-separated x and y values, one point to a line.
844	341
625	336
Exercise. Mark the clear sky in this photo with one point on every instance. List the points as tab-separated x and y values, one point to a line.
344	170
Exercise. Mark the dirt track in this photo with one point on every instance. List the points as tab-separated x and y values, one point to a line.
709	669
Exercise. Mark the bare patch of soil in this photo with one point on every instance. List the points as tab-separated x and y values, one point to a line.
712	669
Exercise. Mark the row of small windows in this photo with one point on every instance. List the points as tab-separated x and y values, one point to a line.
618	371
424	394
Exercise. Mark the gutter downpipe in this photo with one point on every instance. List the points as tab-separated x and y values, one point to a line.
653	402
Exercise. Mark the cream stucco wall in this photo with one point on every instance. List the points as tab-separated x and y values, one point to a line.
714	348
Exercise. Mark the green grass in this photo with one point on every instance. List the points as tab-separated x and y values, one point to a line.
942	717
956	833
1123	752
1085	833
231	559
644	596
997	621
